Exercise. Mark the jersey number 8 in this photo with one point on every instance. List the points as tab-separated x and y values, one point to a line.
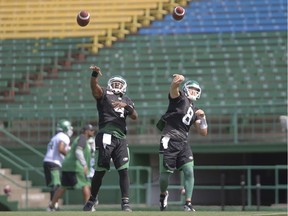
188	117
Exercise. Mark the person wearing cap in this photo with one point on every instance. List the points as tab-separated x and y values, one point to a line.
75	167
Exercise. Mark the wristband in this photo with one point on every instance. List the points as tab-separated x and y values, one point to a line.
129	109
94	74
203	123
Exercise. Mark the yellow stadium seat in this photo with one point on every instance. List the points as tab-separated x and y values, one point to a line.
57	19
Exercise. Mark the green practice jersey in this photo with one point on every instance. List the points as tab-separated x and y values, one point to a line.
71	163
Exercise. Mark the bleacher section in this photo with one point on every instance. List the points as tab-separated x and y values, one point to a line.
225	16
241	66
26	28
57	19
26	62
250	62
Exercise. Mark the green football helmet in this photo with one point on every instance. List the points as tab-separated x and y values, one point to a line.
64	126
192	84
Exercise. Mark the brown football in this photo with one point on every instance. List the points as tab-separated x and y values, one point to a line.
83	18
178	13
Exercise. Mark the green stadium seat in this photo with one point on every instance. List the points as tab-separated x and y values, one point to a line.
239	73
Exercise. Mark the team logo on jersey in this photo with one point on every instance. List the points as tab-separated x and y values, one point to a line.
125	159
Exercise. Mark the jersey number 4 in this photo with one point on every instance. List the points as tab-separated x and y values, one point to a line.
120	111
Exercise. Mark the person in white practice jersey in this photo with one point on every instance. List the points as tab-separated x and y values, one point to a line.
57	148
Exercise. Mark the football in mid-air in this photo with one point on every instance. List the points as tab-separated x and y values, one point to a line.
178	13
83	18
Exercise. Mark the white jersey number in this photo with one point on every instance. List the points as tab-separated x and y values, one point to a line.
188	117
121	111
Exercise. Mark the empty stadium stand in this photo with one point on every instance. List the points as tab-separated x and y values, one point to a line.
238	68
225	16
54	19
236	50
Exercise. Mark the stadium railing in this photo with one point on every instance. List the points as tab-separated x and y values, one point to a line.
22	191
245	187
24	197
232	124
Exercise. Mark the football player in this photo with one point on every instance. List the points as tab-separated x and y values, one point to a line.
113	108
57	148
175	152
75	167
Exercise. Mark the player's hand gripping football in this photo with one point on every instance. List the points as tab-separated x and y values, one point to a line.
178	78
95	68
174	88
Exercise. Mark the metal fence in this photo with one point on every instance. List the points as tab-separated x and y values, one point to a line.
237	126
144	189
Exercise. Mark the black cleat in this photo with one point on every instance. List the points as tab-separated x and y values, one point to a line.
89	206
163	201
188	207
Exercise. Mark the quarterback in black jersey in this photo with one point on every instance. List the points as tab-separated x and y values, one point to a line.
113	108
175	152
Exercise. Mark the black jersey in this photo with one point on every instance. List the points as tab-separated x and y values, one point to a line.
110	115
179	117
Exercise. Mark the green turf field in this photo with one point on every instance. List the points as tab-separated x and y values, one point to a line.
144	213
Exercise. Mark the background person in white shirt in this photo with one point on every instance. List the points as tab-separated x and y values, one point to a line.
57	148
